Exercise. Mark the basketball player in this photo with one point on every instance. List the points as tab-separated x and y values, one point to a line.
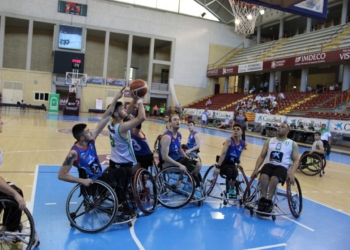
122	155
281	157
193	141
84	155
5	188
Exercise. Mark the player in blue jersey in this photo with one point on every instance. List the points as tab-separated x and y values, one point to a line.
83	154
231	152
193	141
171	153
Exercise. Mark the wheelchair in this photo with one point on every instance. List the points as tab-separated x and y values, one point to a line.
177	188
215	185
292	194
93	209
312	164
22	234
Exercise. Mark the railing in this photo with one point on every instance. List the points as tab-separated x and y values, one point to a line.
270	47
160	86
225	57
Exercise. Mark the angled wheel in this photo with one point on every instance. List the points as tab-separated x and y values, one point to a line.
209	180
310	164
251	192
92	209
241	182
18	229
295	198
145	191
175	187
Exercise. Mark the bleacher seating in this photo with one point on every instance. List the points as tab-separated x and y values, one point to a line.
218	101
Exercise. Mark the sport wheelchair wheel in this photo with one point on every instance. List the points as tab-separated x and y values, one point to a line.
16	233
92	209
311	164
209	180
175	187
145	191
295	198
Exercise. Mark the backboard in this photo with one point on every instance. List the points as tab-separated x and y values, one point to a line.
76	79
309	8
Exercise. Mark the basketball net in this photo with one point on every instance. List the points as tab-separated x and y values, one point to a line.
245	16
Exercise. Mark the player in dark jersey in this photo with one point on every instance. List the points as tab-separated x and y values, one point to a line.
83	154
142	151
193	141
171	153
231	152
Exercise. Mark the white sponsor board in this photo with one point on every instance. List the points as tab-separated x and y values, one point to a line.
339	126
307	122
222	114
190	111
264	118
250	67
200	111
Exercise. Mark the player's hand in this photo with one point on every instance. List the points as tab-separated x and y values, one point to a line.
21	202
217	171
255	173
291	178
134	96
87	182
120	93
183	168
311	152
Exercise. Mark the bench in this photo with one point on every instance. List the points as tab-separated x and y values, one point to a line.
96	111
23	106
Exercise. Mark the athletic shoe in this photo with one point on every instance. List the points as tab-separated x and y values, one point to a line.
261	204
268	206
232	194
197	194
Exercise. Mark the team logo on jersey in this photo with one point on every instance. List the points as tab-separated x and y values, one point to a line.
276	156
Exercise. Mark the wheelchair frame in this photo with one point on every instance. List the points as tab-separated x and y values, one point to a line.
294	198
99	201
210	181
312	164
27	239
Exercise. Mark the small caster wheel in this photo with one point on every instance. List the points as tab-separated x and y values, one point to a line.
129	224
225	202
221	194
251	212
200	203
37	244
137	215
240	202
72	225
273	217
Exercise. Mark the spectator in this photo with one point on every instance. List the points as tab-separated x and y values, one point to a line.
331	87
252	90
277	85
205	115
208	103
161	111
266	86
308	89
155	110
226	124
22	103
246	91
281	96
261	86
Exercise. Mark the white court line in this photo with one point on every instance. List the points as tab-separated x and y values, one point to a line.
50	204
268	247
134	237
308	228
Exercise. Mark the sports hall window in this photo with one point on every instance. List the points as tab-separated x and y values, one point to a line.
39	96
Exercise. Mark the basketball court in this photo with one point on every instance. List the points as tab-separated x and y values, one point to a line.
35	145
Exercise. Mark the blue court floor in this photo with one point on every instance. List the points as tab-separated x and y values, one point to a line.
211	226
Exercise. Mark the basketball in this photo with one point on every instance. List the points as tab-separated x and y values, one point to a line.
139	87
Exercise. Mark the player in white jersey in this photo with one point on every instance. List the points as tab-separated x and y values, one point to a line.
122	153
281	161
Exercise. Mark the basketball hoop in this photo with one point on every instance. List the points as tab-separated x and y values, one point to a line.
245	16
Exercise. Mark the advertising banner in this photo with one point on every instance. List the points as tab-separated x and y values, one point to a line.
250	67
54	101
64	101
315	122
339	126
222	114
98	103
265	118
190	111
